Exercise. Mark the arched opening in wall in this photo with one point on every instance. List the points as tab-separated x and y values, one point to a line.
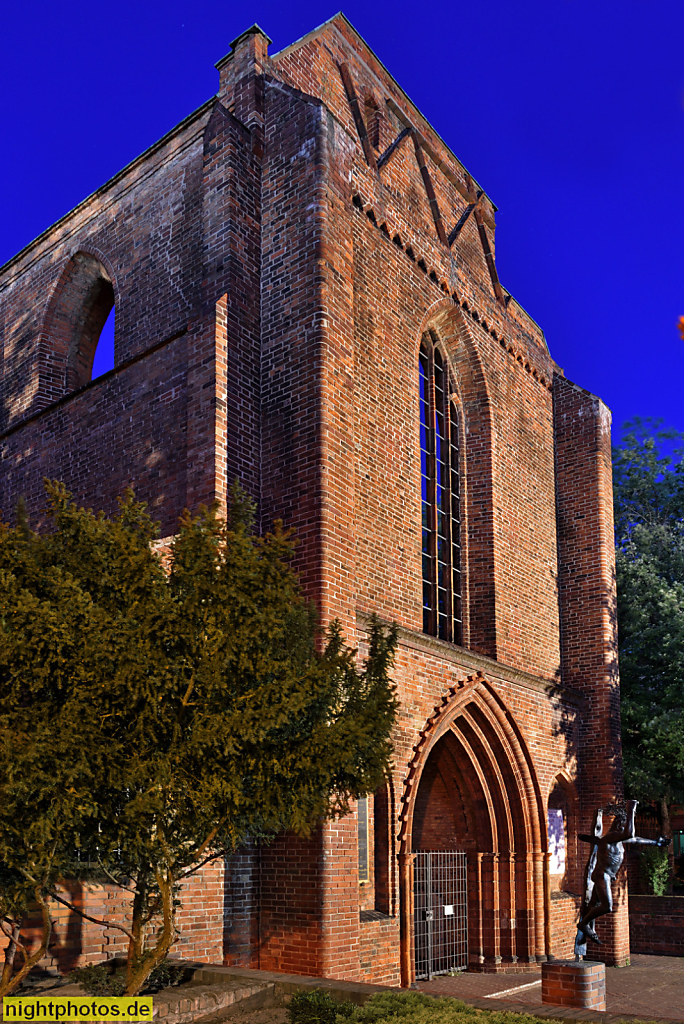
476	885
80	310
566	875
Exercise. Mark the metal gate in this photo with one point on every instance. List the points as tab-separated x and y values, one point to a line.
440	913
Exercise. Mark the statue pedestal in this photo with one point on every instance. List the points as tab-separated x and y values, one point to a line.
578	983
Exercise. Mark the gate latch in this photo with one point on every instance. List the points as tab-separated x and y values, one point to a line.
428	915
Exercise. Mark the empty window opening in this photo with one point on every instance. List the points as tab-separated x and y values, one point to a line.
104	353
83	302
440	496
382	850
364	860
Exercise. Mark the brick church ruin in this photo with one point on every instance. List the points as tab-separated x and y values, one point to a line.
307	298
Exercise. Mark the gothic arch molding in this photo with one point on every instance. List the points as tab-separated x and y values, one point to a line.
473	743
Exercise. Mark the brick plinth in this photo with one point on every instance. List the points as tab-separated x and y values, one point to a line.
581	984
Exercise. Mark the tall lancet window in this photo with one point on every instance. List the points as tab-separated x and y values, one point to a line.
440	482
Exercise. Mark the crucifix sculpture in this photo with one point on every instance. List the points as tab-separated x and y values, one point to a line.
605	860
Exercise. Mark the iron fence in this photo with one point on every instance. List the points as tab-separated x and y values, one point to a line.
440	900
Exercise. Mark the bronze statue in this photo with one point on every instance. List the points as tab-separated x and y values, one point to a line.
607	855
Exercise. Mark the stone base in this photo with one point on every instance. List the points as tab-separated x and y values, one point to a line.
578	983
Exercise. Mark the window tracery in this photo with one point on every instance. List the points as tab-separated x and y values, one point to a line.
440	497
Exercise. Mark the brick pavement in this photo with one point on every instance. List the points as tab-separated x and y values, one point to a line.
651	988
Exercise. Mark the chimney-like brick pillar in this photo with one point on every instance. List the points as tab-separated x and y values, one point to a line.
588	616
241	77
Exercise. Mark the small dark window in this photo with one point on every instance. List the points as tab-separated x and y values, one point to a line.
381	850
362	814
440	487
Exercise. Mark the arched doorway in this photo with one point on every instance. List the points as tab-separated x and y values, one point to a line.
471	790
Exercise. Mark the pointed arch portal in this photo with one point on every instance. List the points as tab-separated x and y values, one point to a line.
471	787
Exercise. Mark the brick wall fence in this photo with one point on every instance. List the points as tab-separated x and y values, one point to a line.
76	942
656	925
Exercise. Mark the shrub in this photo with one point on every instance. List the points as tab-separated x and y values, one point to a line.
398	1007
319	1007
100	979
655	869
109	979
316	1007
418	1008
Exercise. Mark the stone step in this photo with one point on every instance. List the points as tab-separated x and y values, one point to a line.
284	984
201	997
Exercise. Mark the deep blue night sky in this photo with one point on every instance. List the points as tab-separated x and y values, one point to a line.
570	113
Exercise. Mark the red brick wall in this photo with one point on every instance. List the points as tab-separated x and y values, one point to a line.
378	942
290	924
145	226
132	426
656	925
76	942
564	916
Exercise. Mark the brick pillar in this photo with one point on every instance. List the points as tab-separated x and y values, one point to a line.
586	555
241	76
580	985
340	906
223	343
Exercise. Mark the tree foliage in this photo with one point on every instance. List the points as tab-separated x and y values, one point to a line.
157	712
649	525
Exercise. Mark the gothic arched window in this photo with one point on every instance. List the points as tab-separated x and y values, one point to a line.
440	485
83	304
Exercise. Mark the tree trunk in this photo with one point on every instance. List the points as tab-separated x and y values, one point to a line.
136	942
9	984
139	970
10	952
667	831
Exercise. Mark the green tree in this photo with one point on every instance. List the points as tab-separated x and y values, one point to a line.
204	712
46	775
649	527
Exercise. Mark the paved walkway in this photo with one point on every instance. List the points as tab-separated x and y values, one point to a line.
652	988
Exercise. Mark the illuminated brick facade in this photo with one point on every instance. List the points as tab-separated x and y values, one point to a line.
276	261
